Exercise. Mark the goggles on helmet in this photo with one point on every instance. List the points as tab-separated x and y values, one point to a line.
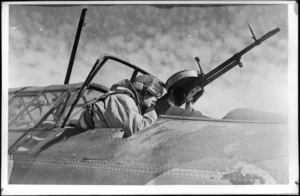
154	89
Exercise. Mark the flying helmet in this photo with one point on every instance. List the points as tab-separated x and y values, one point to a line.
150	84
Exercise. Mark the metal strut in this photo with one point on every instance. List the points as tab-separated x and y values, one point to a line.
75	45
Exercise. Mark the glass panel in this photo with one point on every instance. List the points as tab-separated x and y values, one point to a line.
17	104
10	95
111	73
31	114
88	96
52	117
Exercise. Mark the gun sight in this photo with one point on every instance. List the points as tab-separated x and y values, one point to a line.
253	36
198	61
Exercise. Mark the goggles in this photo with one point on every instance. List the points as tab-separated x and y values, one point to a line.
154	89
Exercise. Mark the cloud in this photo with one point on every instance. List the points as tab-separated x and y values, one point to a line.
161	41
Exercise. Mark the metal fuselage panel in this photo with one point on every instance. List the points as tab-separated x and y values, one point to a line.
172	151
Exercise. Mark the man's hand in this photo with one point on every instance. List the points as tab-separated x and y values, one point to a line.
151	113
149	109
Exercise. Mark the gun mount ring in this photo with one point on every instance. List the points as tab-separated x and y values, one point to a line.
179	85
181	79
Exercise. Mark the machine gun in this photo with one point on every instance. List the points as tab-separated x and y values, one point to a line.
188	86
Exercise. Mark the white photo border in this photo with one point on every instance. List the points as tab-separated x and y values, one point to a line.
291	188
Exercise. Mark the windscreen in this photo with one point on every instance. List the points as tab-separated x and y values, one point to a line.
112	72
88	96
17	104
26	110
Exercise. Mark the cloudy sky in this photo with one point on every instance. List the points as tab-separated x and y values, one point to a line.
160	40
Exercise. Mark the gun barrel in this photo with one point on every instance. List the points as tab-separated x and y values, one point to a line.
268	35
211	78
260	40
233	61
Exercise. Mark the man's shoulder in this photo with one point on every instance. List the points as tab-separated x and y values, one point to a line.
122	100
122	97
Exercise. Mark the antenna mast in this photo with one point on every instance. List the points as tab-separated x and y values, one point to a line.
75	45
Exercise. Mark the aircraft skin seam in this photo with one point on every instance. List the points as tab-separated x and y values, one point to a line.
165	170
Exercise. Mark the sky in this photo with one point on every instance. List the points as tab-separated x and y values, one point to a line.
160	40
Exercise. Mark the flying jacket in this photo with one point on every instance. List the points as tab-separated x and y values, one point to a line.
119	108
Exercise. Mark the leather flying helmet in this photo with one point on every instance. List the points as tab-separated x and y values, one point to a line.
150	84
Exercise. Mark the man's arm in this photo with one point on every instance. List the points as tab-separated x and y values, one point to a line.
121	111
165	107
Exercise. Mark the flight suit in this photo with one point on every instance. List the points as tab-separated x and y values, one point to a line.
120	109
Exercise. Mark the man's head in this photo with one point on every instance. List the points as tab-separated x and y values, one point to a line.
150	89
